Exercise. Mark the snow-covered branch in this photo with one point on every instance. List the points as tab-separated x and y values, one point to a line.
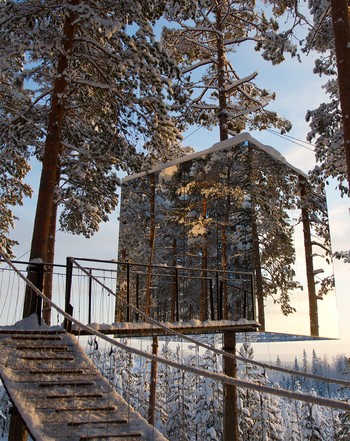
234	84
196	65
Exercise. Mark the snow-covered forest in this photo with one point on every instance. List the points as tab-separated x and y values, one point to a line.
190	407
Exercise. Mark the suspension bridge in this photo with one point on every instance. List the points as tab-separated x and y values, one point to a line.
60	394
57	390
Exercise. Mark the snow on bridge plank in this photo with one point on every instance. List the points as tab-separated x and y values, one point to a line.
59	392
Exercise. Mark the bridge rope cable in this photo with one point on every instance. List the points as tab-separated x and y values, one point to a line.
311	399
304	144
214	349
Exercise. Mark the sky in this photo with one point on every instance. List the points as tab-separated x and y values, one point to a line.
298	90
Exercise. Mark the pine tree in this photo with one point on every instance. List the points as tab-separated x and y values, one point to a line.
140	387
98	86
208	410
201	47
326	121
249	400
314	423
291	411
260	414
164	379
14	155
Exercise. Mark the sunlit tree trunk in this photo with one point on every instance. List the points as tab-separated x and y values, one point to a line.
221	75
204	280
230	391
231	432
223	313
153	384
258	273
152	239
50	163
341	26
313	307
50	257
49	271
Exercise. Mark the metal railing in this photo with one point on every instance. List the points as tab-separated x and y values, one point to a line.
105	291
166	293
13	289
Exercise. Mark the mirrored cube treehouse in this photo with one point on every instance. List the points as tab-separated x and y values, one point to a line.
233	233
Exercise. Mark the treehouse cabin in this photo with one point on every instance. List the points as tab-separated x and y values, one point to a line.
233	233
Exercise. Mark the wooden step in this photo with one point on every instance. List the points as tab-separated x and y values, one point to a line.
39	337
96	423
48	357
72	396
122	437
88	409
57	371
43	348
77	383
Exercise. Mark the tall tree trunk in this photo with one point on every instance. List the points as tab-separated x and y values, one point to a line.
223	130
225	224
341	26
50	257
230	392
259	287
313	307
152	239
223	313
204	281
50	162
48	276
221	75
231	432
153	384
258	274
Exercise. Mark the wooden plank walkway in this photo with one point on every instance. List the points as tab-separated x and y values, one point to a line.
61	395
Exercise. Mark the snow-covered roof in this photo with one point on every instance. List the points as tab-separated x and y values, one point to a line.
231	142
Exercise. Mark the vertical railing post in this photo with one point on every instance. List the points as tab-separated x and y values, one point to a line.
68	307
90	297
128	291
